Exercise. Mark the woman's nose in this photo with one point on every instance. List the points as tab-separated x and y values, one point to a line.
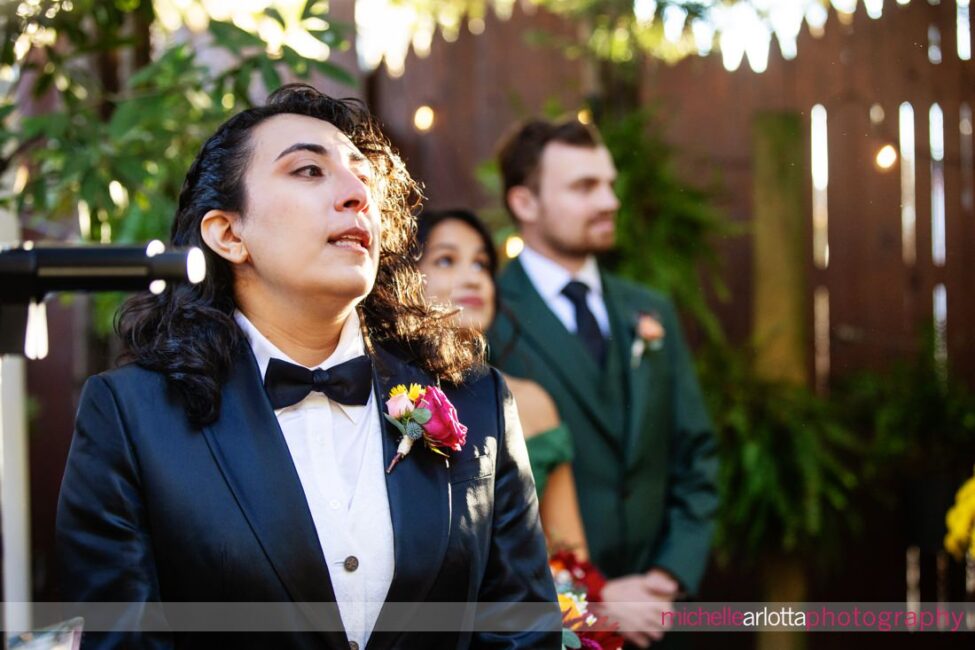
353	193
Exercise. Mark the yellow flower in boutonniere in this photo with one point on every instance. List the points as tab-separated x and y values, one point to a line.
649	334
416	392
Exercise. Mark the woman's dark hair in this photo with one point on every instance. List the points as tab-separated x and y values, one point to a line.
430	219
188	332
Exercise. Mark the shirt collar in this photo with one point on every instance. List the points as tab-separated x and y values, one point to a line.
350	345
550	277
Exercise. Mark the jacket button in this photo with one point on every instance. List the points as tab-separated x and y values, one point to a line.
351	563
353	645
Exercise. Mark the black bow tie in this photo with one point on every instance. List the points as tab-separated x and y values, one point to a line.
347	383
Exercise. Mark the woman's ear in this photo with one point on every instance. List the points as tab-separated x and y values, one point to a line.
219	230
523	203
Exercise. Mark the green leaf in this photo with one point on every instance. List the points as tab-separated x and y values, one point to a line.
396	423
174	59
570	639
335	72
232	37
127	116
242	80
273	13
52	125
272	80
421	415
7	56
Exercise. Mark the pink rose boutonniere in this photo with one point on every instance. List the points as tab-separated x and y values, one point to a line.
649	335
424	413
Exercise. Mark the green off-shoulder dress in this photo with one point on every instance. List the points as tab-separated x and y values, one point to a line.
546	451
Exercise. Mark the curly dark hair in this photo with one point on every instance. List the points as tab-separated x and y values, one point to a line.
188	332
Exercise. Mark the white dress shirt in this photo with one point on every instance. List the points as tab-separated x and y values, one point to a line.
549	278
338	453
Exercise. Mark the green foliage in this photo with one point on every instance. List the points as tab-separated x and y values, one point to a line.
918	416
112	152
788	464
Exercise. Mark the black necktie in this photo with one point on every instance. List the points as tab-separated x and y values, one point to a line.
587	329
347	383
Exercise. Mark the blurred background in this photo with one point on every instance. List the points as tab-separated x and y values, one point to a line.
798	174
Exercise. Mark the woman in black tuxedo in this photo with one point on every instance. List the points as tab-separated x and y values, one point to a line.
241	456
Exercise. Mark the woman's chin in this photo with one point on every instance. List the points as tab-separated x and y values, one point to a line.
472	319
349	288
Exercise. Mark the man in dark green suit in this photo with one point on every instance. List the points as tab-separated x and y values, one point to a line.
611	354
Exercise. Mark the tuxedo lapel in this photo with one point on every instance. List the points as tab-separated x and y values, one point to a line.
561	349
615	395
643	372
249	448
419	504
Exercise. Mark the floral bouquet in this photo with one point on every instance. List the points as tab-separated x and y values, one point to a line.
960	539
579	583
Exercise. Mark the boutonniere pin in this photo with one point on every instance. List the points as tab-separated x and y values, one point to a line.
423	413
649	335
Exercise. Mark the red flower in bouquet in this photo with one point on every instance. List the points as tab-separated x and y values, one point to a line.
580	583
584	575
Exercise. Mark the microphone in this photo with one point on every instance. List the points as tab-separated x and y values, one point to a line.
31	271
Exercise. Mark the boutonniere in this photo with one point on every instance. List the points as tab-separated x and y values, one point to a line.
423	413
649	335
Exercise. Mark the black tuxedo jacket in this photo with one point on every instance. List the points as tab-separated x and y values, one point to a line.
154	509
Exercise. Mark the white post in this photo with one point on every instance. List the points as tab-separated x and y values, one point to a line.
14	479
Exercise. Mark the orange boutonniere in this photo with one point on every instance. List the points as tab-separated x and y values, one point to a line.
649	334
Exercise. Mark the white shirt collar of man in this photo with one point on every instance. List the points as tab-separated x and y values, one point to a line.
550	278
350	345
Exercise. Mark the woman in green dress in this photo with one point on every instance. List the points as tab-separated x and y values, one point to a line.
459	261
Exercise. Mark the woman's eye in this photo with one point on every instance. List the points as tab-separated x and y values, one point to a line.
309	171
480	265
443	262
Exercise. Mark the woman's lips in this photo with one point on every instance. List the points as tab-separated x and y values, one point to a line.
470	301
350	245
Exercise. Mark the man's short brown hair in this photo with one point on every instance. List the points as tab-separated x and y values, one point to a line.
520	154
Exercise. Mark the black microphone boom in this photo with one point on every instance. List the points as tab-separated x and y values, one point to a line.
30	272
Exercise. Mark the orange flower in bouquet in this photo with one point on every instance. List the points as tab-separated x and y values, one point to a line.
579	583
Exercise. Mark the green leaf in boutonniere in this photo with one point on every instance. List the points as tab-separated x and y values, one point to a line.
396	423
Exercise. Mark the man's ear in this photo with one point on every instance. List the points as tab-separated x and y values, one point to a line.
523	203
219	230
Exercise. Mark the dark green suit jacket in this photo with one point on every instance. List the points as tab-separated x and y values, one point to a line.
645	460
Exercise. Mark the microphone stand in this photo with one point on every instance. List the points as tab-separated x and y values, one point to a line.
28	273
